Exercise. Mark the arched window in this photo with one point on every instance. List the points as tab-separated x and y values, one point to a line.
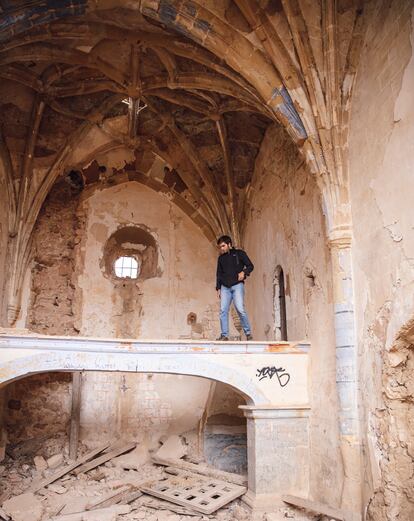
279	305
126	267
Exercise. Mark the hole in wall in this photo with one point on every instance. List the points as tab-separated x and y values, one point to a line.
75	180
310	277
131	253
191	318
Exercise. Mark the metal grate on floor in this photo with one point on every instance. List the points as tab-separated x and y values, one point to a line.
205	495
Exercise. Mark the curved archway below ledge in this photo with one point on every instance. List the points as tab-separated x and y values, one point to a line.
267	375
41	362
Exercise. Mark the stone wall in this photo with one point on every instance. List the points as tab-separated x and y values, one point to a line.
73	290
285	227
53	267
38	406
382	184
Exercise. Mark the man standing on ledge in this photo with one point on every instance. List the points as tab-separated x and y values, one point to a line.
233	266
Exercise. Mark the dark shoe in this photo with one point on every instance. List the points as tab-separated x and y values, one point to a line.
223	338
249	337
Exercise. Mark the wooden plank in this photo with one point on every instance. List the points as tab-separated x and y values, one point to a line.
202	469
104	458
122	496
130	497
85	516
75	415
47	481
159	504
319	508
108	499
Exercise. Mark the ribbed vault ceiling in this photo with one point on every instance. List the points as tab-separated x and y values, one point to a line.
194	83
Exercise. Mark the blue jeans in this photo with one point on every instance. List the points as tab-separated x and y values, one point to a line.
235	293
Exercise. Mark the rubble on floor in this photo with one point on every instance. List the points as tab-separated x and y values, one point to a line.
118	482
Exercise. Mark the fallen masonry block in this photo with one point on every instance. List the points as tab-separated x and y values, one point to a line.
172	448
55	461
134	459
24	507
40	463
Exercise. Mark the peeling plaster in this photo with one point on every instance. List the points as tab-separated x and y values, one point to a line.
383	249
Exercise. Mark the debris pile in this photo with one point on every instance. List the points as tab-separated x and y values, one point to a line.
115	482
120	482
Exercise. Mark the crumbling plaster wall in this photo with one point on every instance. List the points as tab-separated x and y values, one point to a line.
58	230
382	187
186	267
72	294
156	307
286	227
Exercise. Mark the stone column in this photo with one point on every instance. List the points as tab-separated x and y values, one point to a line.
346	369
277	454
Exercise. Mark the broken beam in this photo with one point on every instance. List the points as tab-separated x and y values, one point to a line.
320	508
104	458
201	469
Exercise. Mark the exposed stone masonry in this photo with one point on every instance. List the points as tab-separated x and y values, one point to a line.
53	286
394	497
38	407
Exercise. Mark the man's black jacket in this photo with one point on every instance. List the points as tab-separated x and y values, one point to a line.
229	265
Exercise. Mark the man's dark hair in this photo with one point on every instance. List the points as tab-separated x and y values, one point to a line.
224	238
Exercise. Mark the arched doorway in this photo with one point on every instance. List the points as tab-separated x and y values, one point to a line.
279	305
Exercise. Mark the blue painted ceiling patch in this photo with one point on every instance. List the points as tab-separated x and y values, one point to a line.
167	12
287	108
203	25
190	8
23	19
